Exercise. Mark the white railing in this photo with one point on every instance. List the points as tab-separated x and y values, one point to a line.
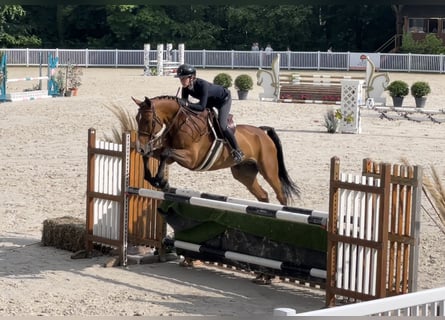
231	59
423	303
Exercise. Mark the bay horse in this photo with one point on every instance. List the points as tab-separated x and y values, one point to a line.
171	132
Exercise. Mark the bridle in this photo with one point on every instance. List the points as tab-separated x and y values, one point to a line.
155	140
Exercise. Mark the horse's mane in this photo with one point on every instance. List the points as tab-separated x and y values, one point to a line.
180	101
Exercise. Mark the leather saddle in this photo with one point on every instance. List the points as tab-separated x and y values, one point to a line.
212	116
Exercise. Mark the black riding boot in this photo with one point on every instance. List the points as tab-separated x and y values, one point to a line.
236	152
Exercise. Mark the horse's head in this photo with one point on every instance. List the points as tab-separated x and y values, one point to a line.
150	127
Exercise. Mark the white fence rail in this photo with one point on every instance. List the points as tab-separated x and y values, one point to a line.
423	303
231	59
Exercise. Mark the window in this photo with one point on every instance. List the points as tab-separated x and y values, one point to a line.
417	25
421	25
433	25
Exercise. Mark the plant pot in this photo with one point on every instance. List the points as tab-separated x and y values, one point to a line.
242	95
397	101
74	91
67	93
420	102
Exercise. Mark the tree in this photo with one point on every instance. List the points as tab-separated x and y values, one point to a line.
14	32
212	27
132	26
357	27
281	26
194	26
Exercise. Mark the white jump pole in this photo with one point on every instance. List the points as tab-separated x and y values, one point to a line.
297	215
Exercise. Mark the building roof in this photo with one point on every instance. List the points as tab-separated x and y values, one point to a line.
424	11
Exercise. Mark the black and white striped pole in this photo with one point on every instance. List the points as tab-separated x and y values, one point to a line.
287	267
298	215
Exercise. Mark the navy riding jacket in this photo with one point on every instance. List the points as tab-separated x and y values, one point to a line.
209	95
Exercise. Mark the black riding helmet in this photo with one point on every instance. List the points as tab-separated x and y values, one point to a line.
185	70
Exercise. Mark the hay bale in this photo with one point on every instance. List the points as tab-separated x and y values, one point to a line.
67	233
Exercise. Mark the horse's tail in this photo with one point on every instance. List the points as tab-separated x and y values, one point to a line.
289	187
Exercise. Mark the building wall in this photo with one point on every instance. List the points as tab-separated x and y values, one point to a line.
423	20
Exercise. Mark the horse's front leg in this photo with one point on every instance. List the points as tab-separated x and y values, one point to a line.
158	180
147	172
183	157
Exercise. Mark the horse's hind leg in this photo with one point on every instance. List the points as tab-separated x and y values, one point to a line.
268	168
246	173
270	174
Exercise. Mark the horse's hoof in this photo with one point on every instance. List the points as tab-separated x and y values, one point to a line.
166	187
189	262
163	185
262	279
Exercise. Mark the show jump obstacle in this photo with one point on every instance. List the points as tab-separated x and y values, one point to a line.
52	88
368	242
167	61
318	88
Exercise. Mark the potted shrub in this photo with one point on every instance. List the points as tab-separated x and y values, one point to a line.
243	83
419	90
69	80
398	89
223	79
73	78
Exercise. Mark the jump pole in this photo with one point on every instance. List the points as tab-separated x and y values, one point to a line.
263	205
304	216
287	267
254	208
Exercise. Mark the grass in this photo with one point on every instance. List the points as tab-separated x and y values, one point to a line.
331	121
127	122
435	193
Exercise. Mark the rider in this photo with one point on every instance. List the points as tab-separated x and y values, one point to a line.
209	95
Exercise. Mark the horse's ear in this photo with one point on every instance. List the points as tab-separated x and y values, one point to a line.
137	101
147	100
